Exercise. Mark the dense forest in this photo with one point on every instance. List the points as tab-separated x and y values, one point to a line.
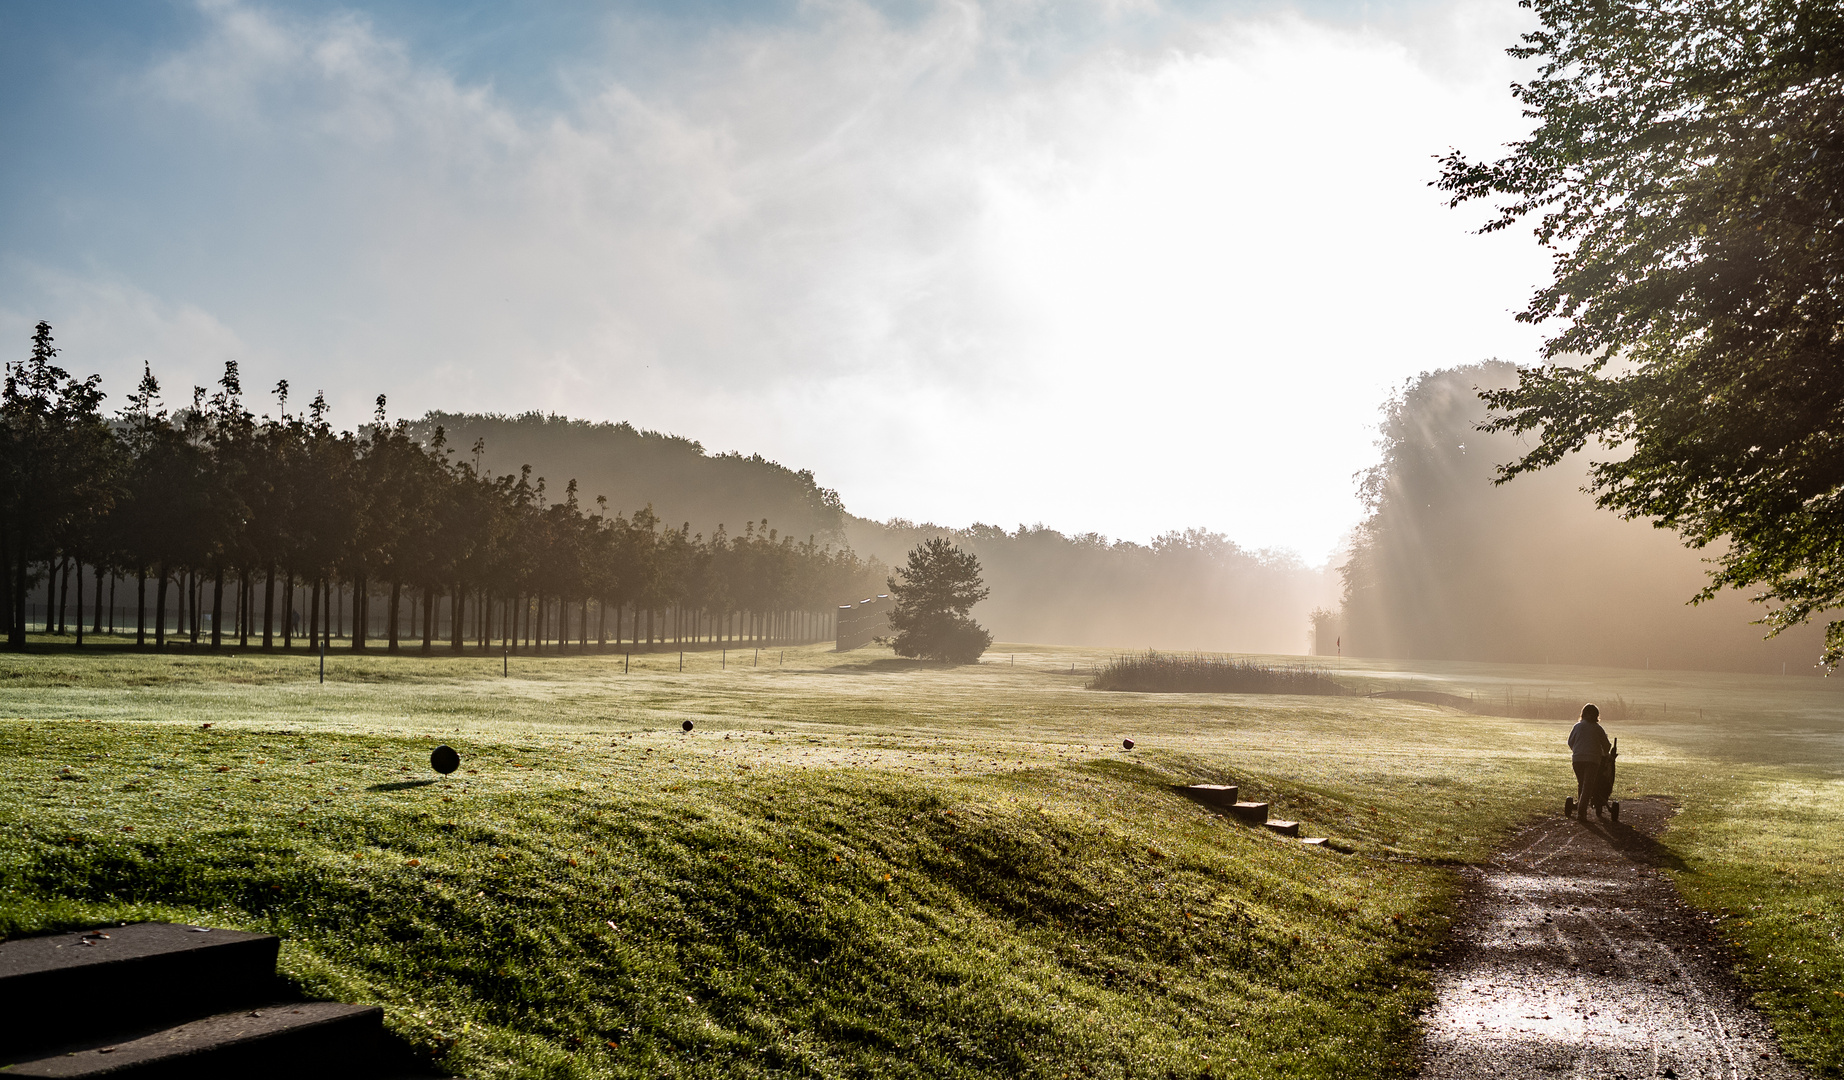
1450	567
216	523
632	467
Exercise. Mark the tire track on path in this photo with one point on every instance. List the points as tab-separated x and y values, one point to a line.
1574	956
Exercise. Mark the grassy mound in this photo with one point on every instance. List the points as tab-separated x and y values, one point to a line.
567	910
1193	673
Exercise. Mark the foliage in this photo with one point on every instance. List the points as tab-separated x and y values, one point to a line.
1171	673
1448	566
633	467
940	585
1687	169
59	468
212	494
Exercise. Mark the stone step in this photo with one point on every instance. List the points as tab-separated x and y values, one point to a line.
287	1041
1313	841
1285	828
1249	811
1220	795
63	987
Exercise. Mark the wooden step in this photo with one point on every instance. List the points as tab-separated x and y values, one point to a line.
286	1041
1313	841
63	987
1218	795
1285	828
1249	811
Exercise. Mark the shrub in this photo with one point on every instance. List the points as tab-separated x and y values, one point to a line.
1155	672
941	583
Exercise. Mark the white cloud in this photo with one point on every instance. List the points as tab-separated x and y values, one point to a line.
118	326
959	273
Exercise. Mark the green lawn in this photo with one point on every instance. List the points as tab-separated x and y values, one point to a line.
861	867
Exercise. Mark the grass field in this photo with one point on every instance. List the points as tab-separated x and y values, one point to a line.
855	866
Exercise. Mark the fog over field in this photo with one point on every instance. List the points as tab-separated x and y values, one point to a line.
1449	566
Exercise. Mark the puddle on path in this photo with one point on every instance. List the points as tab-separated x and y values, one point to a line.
1574	957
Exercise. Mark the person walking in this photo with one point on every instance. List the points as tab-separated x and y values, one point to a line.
1588	745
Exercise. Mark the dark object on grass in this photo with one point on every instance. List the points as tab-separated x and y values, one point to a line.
1126	744
686	726
1155	672
444	760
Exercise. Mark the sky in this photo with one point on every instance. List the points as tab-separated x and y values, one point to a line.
1120	267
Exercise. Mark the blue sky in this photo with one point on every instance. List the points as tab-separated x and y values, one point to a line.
1115	267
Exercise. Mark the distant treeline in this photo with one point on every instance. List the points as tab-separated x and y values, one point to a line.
1448	566
1193	589
634	467
254	518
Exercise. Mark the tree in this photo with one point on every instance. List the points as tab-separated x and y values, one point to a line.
941	583
1688	172
57	469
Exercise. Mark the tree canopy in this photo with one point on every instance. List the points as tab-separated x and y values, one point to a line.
940	584
212	494
1687	171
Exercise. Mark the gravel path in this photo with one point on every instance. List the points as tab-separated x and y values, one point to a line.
1574	957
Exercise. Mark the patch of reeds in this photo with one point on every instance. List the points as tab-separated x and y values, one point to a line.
1196	673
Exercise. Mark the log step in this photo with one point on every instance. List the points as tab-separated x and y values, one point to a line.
1285	828
1249	811
1220	795
53	989
282	1041
1313	841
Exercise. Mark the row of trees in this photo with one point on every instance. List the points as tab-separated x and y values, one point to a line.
212	506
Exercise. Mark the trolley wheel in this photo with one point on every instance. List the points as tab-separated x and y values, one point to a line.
1568	807
1614	809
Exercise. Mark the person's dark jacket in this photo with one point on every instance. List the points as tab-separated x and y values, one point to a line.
1589	741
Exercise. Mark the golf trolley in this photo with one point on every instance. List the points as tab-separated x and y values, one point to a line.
1601	793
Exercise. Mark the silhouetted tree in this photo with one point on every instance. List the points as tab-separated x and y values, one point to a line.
940	584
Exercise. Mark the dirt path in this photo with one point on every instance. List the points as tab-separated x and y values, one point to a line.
1574	957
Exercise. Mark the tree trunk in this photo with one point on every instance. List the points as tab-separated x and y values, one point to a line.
458	627
313	616
6	583
78	560
428	620
396	611
269	608
97	628
217	609
361	609
246	607
288	609
160	609
63	590
140	607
